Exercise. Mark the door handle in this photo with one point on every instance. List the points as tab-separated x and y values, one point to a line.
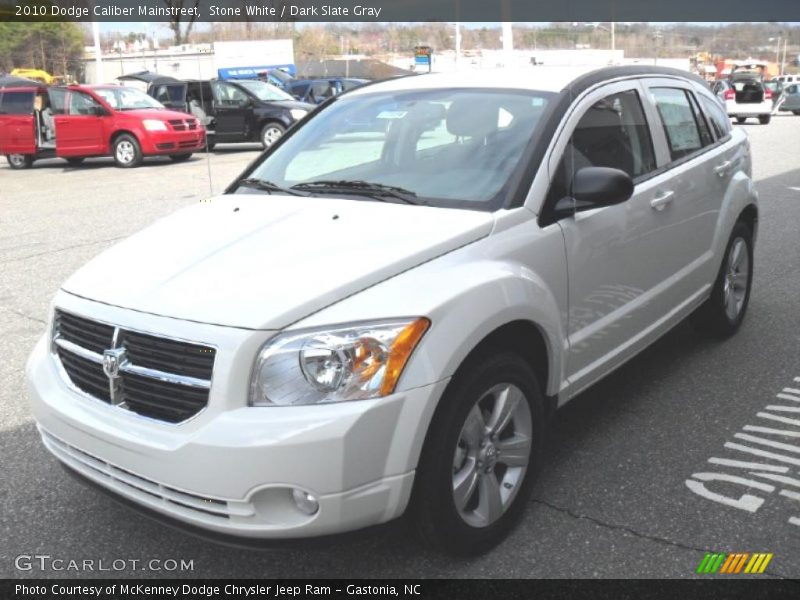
660	202
722	167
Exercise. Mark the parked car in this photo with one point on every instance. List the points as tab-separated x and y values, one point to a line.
790	101
379	322
745	95
775	89
247	110
316	91
77	122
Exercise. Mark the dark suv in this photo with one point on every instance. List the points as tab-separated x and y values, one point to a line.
244	110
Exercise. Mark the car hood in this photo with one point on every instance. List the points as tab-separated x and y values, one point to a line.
290	104
265	261
159	114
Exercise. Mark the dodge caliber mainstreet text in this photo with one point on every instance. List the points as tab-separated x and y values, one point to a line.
379	316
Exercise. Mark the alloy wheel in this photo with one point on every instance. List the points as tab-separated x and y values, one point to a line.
492	455
271	135
736	278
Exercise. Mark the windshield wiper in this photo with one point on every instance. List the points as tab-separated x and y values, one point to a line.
267	186
376	191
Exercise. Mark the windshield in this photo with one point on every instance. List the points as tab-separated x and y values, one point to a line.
449	147
265	91
126	98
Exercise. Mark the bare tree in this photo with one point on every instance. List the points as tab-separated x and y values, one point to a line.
181	34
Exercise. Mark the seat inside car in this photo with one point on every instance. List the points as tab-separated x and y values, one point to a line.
601	138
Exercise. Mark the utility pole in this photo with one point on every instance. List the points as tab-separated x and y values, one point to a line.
783	61
613	35
98	54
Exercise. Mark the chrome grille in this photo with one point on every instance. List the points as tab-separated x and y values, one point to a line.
155	377
183	124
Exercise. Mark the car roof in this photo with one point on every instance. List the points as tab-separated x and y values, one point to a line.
541	78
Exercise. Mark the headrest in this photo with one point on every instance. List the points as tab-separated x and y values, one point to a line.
472	117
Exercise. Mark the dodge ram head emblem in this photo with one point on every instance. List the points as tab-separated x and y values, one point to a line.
112	361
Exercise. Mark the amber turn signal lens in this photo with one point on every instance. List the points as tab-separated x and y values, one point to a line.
400	352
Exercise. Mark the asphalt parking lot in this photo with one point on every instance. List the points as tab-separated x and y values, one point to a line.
613	499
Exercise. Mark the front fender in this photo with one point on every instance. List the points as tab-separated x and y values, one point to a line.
467	294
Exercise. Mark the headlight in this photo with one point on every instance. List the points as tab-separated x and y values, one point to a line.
298	113
334	364
154	125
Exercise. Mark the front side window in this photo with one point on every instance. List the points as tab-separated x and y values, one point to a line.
449	147
264	91
226	94
613	133
127	98
81	104
679	121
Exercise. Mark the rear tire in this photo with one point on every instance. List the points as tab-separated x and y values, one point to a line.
19	161
741	120
180	157
474	479
127	151
723	313
796	112
764	119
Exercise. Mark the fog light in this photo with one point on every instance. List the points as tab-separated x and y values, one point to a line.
305	501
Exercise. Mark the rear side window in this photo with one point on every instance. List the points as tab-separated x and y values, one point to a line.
717	119
16	103
680	122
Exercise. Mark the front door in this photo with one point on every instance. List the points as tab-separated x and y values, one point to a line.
232	106
80	131
615	278
17	126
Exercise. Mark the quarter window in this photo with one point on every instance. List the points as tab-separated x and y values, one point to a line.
16	103
680	122
717	118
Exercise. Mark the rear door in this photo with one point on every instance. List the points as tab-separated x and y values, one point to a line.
701	166
17	127
232	106
80	131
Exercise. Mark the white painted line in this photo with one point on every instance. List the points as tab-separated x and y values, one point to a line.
727	462
794	520
764	453
786	420
759	429
796	189
788	494
788	397
778	478
765	442
797	379
791	391
794	409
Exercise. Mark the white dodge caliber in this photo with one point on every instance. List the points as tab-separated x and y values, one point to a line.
379	316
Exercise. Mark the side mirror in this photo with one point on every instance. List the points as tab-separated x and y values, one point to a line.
594	187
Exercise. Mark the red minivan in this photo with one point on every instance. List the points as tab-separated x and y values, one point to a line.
76	122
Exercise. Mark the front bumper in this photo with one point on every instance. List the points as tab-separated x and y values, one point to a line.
231	469
173	142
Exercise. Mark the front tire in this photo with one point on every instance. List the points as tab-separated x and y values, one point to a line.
271	133
741	120
764	119
481	455
723	313
796	112
19	161
127	151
